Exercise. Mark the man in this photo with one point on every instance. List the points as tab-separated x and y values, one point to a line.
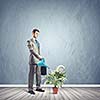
34	58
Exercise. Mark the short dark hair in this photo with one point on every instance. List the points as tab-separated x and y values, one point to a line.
34	30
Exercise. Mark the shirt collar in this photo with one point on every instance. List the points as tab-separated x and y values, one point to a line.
34	39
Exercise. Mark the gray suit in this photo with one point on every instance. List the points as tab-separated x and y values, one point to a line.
34	48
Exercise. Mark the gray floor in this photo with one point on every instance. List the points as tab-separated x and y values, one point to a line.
63	94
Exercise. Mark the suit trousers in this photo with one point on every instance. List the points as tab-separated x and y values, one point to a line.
34	69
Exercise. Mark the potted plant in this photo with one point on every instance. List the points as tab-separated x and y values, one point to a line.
56	78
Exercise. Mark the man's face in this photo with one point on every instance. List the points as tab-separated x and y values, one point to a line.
35	35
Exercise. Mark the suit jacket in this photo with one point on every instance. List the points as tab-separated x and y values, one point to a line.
34	48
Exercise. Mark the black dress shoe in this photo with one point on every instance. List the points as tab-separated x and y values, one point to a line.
40	90
31	92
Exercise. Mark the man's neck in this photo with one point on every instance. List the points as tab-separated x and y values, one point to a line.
34	38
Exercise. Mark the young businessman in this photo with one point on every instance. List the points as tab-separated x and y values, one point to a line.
34	48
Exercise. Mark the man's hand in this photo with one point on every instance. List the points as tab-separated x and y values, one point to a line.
40	57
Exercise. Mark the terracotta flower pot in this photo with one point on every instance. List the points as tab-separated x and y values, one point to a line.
55	90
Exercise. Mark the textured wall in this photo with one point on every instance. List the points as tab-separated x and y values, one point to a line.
70	32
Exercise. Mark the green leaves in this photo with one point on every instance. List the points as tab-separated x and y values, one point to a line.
56	78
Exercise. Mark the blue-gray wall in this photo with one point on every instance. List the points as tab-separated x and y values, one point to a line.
70	32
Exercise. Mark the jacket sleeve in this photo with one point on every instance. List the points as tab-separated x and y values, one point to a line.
31	49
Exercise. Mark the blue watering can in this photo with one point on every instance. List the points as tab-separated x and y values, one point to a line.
42	63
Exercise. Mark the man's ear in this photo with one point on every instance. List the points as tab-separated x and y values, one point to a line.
33	33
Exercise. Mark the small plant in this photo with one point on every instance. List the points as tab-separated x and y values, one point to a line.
57	77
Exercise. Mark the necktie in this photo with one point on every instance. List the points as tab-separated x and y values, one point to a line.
37	43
